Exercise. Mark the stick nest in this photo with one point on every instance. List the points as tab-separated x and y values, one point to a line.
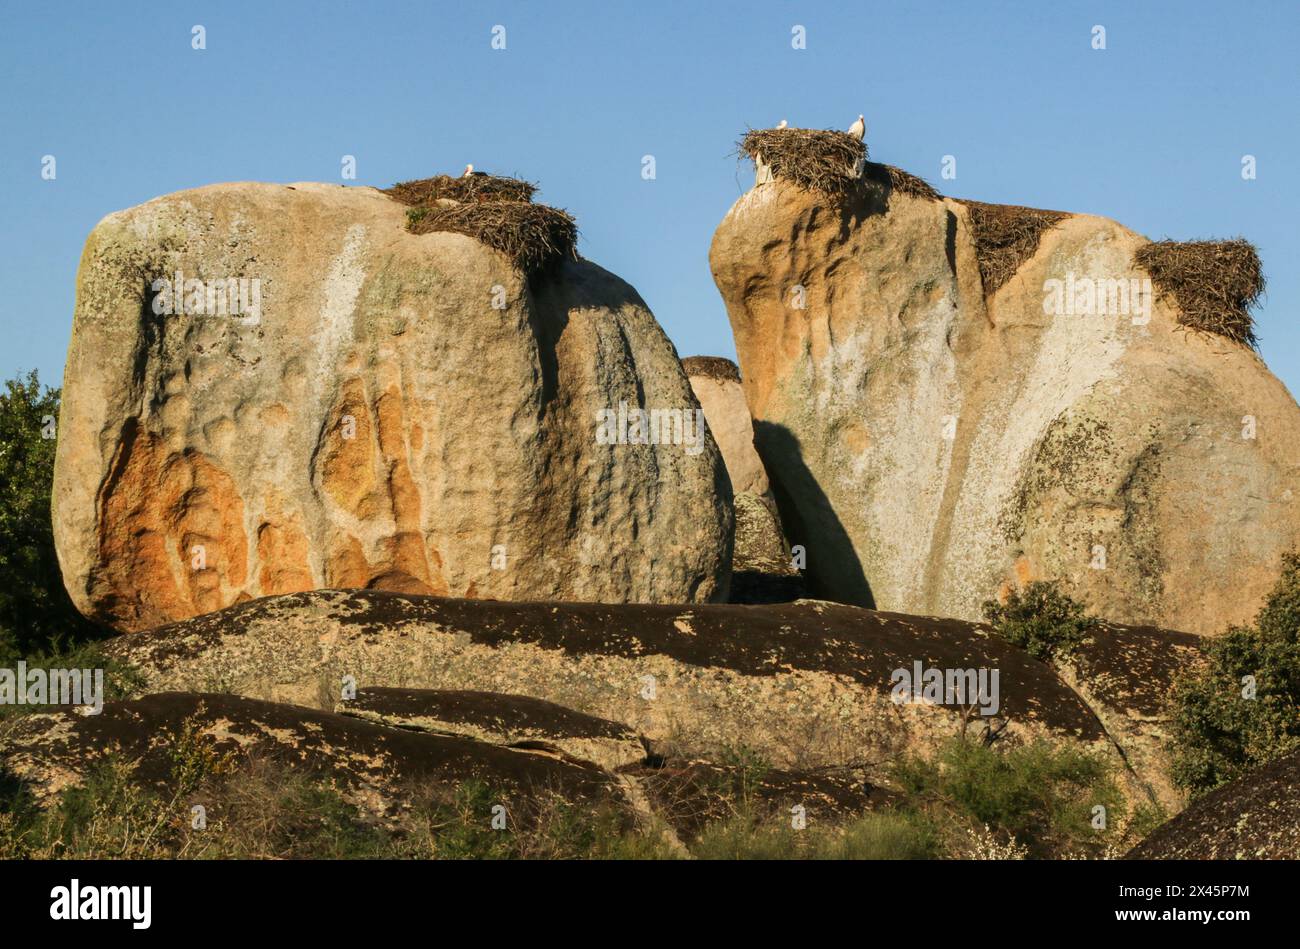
495	211
823	160
475	187
904	182
1214	283
1006	235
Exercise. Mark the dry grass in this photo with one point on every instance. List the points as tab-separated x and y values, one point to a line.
495	211
475	187
1006	235
1214	283
822	160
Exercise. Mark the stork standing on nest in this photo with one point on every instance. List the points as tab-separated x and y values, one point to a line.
859	128
783	124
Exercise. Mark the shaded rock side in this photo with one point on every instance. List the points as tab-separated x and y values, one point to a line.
1256	817
806	684
932	444
762	568
402	411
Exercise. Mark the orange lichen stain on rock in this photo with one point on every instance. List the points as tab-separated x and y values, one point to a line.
376	489
408	553
283	556
345	463
856	437
346	567
1024	574
172	543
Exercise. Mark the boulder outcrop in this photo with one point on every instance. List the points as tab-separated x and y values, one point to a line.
762	568
276	388
807	685
952	398
1256	817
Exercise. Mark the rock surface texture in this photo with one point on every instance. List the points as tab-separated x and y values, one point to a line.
933	439
386	410
377	768
808	685
1256	817
762	568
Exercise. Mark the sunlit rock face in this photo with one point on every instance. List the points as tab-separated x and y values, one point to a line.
934	440
275	388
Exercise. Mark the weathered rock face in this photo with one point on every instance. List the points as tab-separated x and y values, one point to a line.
1256	817
930	443
808	685
388	410
762	569
1126	675
716	383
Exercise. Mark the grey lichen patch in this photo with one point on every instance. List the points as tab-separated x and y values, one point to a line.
1072	455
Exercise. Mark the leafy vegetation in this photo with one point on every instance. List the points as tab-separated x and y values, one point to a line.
1038	798
1242	708
1040	619
36	614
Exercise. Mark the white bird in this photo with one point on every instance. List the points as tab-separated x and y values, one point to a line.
859	128
783	124
469	170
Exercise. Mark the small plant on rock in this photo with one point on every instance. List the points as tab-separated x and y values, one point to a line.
1042	620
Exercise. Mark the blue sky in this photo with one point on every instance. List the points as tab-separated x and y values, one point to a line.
1151	131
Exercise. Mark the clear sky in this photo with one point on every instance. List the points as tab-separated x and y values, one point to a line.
1150	131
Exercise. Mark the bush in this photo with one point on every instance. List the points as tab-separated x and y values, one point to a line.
1222	727
36	614
1040	619
1038	797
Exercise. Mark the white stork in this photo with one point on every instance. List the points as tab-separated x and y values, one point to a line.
783	124
859	128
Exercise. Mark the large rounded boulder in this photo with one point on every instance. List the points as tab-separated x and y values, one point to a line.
277	388
952	399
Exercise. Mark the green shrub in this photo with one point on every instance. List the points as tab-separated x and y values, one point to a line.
36	614
1040	619
1039	794
1221	726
